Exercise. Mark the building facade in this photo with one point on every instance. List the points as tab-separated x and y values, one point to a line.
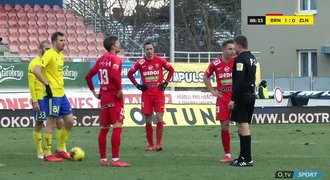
289	50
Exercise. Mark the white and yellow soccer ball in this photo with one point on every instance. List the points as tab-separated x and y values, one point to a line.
77	154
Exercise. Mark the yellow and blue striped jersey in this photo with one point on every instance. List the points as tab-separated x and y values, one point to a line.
52	63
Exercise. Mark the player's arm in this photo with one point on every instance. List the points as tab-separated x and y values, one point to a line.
131	73
170	70
131	77
260	93
239	77
32	80
207	80
115	74
37	71
91	73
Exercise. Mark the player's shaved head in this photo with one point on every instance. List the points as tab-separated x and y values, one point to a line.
43	44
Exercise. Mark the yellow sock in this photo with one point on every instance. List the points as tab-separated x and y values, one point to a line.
48	144
37	140
64	138
60	143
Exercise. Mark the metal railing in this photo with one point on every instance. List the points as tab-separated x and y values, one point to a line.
101	24
199	57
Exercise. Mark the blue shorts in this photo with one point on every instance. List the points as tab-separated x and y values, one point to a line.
44	110
59	106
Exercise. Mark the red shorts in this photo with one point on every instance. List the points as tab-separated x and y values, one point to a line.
222	110
154	101
112	110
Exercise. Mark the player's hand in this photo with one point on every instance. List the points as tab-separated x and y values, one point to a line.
216	93
231	104
163	86
49	91
98	96
120	94
36	107
141	87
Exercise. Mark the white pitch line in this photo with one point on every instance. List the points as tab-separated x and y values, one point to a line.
151	154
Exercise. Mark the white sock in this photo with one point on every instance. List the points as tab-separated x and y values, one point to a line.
228	155
115	159
103	159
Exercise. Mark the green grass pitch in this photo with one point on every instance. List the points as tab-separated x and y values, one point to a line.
189	153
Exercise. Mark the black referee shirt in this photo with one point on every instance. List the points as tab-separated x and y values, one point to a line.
244	74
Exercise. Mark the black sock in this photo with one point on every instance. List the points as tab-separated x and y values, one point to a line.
240	145
246	147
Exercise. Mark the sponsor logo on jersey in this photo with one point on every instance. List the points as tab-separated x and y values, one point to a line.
225	75
217	62
253	62
151	78
115	66
105	63
69	74
60	68
141	61
9	73
151	73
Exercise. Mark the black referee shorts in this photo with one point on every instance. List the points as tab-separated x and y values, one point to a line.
243	109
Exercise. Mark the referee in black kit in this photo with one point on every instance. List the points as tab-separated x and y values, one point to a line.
243	99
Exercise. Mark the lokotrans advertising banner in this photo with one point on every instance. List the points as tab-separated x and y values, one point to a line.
179	115
189	75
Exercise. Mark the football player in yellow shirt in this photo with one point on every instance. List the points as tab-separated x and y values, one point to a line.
40	102
50	74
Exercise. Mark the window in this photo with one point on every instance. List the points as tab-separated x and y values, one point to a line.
307	63
307	6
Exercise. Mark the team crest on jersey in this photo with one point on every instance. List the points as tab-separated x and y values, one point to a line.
141	61
150	67
227	69
217	62
156	65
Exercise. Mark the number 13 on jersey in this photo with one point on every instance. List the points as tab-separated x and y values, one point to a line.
104	78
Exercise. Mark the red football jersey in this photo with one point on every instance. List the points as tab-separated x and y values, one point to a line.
223	73
152	72
109	68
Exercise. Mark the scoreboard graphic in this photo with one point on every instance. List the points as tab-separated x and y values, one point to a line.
280	19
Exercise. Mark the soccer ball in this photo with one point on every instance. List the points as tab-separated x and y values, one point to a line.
77	154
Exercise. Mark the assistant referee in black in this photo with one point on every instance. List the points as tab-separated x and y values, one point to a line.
243	98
